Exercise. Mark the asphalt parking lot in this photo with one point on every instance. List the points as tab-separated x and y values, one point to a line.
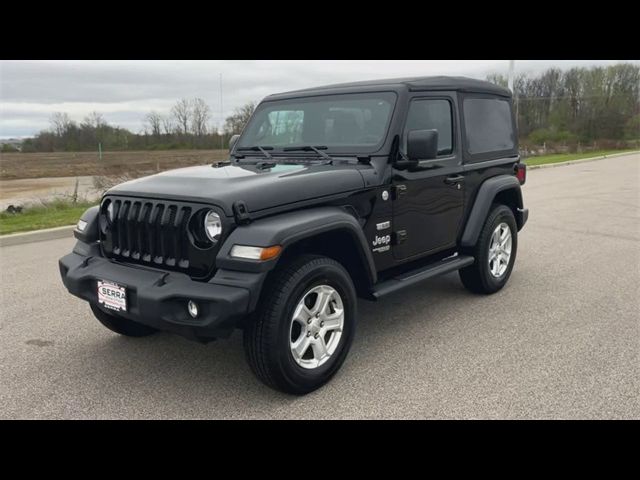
562	340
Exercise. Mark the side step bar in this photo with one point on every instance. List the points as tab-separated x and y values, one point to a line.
423	273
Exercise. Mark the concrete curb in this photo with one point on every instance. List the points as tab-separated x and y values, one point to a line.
580	160
36	236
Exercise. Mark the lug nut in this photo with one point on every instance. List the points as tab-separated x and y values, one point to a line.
192	307
308	321
316	336
322	324
308	334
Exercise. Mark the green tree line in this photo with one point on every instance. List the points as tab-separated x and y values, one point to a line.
577	105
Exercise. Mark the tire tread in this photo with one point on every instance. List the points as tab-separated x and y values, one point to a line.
261	333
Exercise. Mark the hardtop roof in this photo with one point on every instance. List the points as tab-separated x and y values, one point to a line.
441	83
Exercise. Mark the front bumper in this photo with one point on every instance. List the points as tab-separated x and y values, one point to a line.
159	299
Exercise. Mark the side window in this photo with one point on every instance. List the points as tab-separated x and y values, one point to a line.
431	114
488	125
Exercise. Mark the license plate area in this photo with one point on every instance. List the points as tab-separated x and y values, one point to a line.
112	295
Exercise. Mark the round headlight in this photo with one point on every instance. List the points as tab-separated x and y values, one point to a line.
213	226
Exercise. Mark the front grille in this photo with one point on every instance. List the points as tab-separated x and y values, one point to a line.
154	233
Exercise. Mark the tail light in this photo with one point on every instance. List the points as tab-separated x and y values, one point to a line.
521	172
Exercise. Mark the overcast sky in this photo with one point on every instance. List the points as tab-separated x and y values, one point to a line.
124	91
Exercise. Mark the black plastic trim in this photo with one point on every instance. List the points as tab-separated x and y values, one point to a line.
159	299
486	194
412	277
90	233
286	230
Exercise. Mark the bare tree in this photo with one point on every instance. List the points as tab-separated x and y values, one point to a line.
167	125
95	120
181	112
241	115
60	123
154	121
199	117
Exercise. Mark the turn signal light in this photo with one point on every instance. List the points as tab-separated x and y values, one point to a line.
255	253
270	252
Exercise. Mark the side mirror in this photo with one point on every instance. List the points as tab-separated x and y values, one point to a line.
422	145
233	140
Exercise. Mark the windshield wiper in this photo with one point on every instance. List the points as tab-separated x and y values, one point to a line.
309	148
257	148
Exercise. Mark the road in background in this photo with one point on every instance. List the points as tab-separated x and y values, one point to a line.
561	340
26	191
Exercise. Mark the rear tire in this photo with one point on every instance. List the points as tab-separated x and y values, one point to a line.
297	341
121	325
492	267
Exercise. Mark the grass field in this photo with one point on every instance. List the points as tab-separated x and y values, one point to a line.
56	213
70	164
566	157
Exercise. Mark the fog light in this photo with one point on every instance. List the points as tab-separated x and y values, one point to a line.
193	308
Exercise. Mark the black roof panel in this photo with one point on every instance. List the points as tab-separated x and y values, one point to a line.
412	83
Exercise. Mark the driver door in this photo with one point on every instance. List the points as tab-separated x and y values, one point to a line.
428	199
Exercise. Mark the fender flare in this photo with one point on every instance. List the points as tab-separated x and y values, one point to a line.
288	228
90	232
482	204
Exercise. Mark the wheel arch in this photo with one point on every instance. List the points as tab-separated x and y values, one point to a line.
328	231
503	189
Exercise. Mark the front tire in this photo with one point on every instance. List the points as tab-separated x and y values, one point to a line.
121	325
304	327
494	253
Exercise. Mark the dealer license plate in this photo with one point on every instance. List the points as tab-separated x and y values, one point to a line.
112	295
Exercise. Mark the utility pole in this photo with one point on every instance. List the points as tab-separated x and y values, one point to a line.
511	81
511	65
221	117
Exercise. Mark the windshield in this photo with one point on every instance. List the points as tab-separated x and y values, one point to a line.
342	123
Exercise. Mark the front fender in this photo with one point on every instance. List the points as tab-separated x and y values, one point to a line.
288	228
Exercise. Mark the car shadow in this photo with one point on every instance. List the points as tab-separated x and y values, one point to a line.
216	373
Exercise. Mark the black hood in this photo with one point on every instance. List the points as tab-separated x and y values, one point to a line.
258	188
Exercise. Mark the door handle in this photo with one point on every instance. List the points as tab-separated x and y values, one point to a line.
454	179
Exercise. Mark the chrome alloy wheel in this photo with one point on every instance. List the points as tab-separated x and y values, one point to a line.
316	326
500	250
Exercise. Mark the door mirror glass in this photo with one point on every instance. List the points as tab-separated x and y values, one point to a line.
422	145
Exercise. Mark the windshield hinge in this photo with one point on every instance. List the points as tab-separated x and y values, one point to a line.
399	237
398	191
241	213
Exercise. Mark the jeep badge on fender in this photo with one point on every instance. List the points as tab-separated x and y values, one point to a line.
329	195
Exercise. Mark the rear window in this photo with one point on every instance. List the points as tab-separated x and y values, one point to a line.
488	126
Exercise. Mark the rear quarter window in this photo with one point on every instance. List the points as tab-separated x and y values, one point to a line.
489	128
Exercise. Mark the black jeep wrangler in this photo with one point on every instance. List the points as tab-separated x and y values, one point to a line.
330	194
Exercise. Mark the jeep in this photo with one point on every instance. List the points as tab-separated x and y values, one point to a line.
329	195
